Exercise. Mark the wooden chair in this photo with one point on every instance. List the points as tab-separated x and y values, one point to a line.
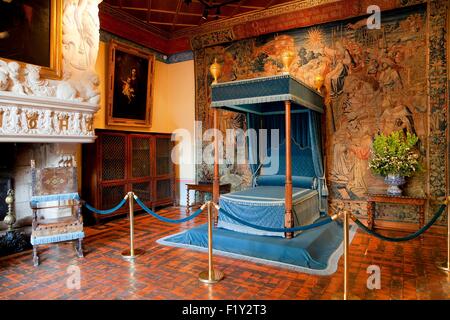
56	208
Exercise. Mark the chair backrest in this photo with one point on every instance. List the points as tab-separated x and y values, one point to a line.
53	180
54	190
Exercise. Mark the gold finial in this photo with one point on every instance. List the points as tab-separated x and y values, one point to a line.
215	69
287	57
318	82
10	218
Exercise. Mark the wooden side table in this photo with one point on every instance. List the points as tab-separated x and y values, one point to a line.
203	188
372	199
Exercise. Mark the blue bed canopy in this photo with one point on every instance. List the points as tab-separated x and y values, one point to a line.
284	103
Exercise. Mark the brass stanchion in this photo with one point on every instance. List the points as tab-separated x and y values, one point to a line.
132	252
211	275
346	295
346	236
445	266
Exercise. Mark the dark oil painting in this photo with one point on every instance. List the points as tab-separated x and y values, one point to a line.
25	31
130	86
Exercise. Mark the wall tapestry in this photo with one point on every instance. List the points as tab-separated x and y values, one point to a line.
376	82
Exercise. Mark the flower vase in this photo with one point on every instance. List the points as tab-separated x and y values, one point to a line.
394	181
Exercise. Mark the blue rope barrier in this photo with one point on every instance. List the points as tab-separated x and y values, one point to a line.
109	211
164	219
269	229
406	238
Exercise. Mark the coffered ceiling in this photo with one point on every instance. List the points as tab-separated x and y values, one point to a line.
175	15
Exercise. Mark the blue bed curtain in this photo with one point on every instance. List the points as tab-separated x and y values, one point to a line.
299	127
253	122
305	130
317	155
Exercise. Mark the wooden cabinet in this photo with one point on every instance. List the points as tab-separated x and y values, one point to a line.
122	161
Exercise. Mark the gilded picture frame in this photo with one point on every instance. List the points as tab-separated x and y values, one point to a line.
130	86
41	17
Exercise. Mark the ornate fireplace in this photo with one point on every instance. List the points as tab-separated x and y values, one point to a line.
47	119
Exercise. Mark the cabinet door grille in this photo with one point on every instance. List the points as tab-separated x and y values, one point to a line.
140	153
112	195
163	159
113	157
143	190
163	189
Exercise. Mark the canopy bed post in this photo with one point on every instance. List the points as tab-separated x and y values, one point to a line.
216	180
288	218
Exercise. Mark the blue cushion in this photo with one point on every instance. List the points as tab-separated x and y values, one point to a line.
54	197
279	180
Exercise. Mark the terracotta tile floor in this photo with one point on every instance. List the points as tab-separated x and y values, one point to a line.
407	270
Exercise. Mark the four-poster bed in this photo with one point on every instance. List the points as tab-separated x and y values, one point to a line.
271	103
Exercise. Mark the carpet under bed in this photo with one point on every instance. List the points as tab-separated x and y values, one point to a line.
315	251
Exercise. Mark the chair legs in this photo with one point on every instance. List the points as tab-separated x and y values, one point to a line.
79	248
35	256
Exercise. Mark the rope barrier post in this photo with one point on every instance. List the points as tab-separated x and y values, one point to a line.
445	266
131	253
346	229
346	242
212	275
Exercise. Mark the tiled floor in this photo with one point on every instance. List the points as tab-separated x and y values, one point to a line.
407	269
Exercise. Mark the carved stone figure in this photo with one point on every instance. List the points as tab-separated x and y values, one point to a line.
75	123
65	91
14	73
4	77
34	85
12	121
23	127
89	89
48	125
80	34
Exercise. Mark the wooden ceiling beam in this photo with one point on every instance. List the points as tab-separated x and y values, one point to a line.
131	8
171	23
236	10
236	5
181	13
175	18
149	10
269	4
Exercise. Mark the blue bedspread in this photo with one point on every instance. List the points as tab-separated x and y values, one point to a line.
265	206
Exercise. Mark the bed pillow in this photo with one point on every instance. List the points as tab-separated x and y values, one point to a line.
279	180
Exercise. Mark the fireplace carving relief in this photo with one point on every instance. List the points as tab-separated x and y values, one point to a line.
28	121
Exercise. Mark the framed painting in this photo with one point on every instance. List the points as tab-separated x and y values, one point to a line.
30	33
130	88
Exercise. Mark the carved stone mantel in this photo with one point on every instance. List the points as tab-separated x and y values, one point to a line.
45	119
35	109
